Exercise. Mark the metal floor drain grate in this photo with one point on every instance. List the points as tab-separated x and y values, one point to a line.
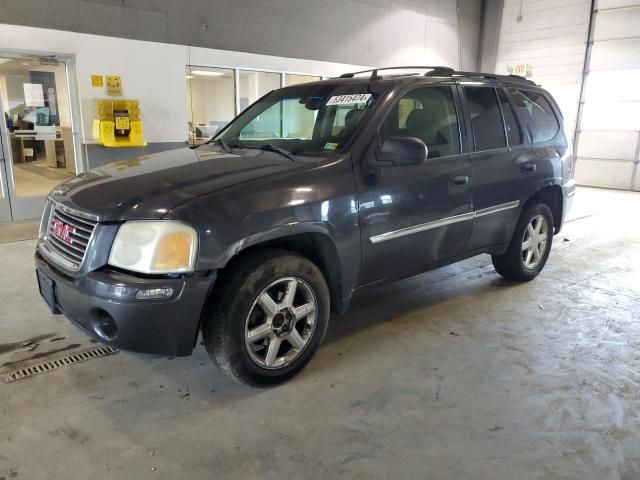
33	370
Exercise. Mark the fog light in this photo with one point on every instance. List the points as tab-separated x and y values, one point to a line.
154	293
103	324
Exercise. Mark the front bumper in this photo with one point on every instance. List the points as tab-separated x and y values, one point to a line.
99	298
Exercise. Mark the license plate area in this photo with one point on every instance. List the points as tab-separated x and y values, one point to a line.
47	289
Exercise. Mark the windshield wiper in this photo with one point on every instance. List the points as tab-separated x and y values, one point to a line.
270	147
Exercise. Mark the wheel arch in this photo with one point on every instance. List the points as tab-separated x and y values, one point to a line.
313	243
553	197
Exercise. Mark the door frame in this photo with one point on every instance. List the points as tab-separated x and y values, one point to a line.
27	207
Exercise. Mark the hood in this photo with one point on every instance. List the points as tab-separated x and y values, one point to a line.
149	186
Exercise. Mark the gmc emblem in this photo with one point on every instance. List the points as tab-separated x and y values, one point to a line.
62	231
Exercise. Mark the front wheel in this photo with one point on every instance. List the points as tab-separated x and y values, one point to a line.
268	317
530	246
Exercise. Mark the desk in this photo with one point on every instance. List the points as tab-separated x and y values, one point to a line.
58	150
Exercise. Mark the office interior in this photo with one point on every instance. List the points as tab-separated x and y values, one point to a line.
36	111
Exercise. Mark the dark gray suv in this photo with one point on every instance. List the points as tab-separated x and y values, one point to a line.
312	194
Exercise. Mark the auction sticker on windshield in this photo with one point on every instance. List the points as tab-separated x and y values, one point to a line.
348	99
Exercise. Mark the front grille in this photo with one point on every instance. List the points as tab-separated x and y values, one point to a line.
78	235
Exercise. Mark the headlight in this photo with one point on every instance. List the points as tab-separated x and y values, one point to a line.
164	246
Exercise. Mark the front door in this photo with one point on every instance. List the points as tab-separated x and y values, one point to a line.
36	134
415	216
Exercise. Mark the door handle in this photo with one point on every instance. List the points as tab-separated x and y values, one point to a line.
459	180
529	167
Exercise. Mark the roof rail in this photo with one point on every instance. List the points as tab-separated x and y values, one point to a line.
458	73
442	71
491	76
374	71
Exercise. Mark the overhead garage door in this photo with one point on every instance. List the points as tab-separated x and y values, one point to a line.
608	143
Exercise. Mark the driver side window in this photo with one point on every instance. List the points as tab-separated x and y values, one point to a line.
427	113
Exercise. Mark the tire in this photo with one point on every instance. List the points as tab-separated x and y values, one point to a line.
513	264
239	307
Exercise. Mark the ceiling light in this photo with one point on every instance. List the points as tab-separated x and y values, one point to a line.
188	76
206	72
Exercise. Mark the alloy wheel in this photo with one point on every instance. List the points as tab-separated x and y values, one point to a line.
534	242
281	323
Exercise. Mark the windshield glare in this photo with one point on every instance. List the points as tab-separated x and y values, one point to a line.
319	118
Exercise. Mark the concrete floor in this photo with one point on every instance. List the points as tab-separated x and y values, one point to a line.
455	374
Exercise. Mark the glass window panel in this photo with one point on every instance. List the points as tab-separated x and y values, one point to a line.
536	114
295	79
211	101
429	114
310	119
287	119
513	133
346	118
253	85
486	119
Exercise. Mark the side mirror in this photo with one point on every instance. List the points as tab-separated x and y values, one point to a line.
402	151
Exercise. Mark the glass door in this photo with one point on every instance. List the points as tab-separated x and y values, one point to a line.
36	134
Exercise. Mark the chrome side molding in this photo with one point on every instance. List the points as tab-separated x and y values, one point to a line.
463	217
383	237
496	208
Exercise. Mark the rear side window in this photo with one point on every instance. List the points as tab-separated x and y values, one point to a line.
513	133
486	120
536	114
427	113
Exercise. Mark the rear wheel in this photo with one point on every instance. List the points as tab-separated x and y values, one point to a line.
268	318
530	245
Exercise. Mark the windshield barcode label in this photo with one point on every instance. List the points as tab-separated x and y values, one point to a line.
346	99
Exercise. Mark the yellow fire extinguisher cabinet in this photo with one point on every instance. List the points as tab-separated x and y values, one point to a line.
118	123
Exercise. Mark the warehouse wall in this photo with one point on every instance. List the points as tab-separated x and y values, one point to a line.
551	37
369	32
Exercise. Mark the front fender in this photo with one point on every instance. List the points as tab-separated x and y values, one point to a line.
276	233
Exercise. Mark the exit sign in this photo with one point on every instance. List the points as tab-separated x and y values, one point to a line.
521	69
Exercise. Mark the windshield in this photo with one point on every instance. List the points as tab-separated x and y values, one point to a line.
309	119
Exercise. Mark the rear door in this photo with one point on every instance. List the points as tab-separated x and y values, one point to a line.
414	216
502	160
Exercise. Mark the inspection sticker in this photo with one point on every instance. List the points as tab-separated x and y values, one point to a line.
348	99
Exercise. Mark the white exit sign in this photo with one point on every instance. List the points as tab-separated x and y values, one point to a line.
521	69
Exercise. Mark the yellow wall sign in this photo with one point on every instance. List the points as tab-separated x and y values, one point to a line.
96	81
114	86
